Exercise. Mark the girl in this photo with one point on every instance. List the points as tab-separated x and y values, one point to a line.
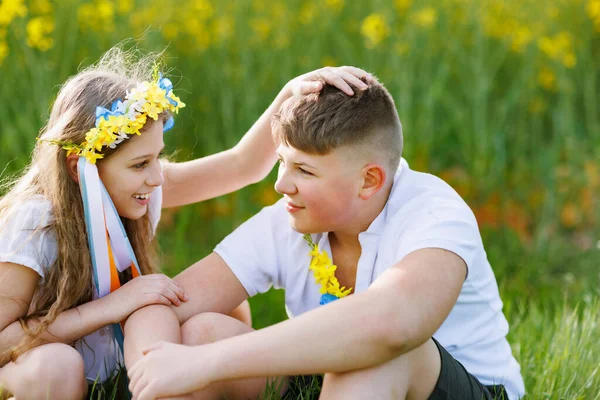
78	225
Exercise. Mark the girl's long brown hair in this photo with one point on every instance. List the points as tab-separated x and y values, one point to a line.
68	281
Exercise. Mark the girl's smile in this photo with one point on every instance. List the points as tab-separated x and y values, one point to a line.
142	199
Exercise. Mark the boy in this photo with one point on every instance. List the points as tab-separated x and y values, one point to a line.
424	320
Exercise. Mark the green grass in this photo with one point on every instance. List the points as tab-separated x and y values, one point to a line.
559	350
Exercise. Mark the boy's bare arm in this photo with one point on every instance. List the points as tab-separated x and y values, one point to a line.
399	312
211	287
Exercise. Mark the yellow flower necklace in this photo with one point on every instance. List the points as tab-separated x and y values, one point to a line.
324	271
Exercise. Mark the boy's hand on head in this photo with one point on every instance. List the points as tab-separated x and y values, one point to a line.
340	77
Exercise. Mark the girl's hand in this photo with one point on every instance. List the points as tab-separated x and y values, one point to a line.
168	370
140	292
340	77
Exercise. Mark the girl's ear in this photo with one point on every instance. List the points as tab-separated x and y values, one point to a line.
72	161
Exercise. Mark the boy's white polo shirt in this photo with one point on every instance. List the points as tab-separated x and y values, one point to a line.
422	212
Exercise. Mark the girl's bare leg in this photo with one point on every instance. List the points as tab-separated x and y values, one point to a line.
51	371
156	323
147	326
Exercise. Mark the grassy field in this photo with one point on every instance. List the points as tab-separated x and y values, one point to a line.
498	97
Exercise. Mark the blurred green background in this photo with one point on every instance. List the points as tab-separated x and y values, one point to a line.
499	98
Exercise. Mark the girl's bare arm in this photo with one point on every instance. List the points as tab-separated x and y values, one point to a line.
254	156
17	287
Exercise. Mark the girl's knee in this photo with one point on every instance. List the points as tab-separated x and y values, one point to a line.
50	371
210	327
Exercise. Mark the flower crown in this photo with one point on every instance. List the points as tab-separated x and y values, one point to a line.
147	99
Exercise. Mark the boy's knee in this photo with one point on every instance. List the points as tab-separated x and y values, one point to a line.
340	385
210	327
414	373
361	384
53	371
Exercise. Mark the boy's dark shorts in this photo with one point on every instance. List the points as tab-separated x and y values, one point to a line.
454	383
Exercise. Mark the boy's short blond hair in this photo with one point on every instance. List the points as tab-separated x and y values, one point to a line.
322	122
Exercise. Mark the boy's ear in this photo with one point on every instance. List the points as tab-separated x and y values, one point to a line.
72	161
374	177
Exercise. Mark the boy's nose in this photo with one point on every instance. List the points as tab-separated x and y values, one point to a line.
284	185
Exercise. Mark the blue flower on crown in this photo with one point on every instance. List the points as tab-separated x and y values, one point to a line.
165	83
168	124
167	86
117	108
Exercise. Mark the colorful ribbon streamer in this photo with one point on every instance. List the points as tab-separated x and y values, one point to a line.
110	248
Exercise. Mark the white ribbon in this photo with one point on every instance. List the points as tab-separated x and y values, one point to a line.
100	217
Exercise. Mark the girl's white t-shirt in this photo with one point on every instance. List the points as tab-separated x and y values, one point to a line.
24	241
422	211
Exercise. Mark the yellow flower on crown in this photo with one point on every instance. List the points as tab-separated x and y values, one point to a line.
126	117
